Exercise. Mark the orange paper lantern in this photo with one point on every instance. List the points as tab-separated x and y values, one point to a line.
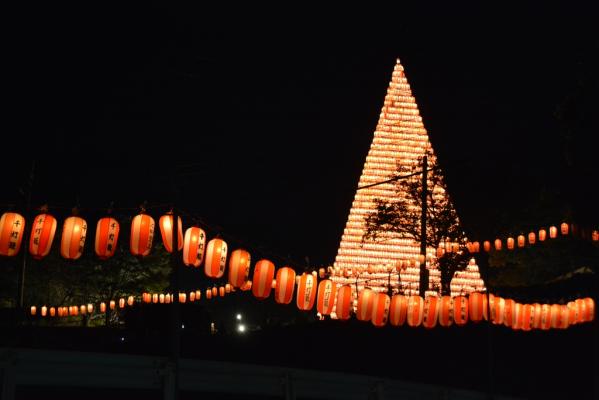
521	241
42	235
552	232
415	310
194	245
542	235
264	272
216	258
327	290
285	285
532	238
12	226
306	292
380	309
564	228
477	306
365	300
431	312
107	235
166	223
398	310
73	238
239	267
344	302
460	310
446	311
142	235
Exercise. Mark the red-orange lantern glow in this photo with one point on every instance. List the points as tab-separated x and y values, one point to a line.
121	303
146	297
239	267
532	238
221	291
477	306
475	247
446	311
365	300
508	312
497	244
460	310
431	312
112	304
321	273
107	235
90	308
521	241
142	235
42	235
545	322
12	226
214	291
228	288
52	311
264	272
130	301
564	228
73	238
398	310
595	236
83	309
155	298
552	232
555	316
273	284
536	316
344	302
194	245
564	322
487	246
208	294
166	223
327	290
198	295
216	258
285	285
510	243
498	310
102	307
582	308
415	311
306	292
380	309
33	310
246	286
589	314
517	317
192	297
440	252
44	311
527	317
542	234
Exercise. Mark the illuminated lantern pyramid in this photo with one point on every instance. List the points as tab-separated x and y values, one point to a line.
399	139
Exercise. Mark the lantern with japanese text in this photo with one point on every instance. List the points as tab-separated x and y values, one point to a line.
12	226
365	300
239	267
285	285
589	314
142	235
521	241
446	311
107	235
431	312
415	311
42	235
497	244
344	302
460	310
536	316
306	292
542	234
194	245
398	310
564	314
532	238
477	306
555	316
166	223
527	317
545	317
510	243
52	311
74	232
327	290
216	258
564	228
380	309
582	308
264	272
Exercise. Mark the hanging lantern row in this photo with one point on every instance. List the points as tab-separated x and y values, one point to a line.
530	239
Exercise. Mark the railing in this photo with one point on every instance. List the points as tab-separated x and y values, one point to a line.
62	369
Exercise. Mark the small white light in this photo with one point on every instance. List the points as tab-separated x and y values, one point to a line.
182	326
122	339
238	316
241	328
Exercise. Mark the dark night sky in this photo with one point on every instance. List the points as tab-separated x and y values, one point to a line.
268	121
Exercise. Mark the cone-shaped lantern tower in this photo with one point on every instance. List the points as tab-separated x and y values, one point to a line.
400	139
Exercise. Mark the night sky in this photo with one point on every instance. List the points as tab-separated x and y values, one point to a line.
263	124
